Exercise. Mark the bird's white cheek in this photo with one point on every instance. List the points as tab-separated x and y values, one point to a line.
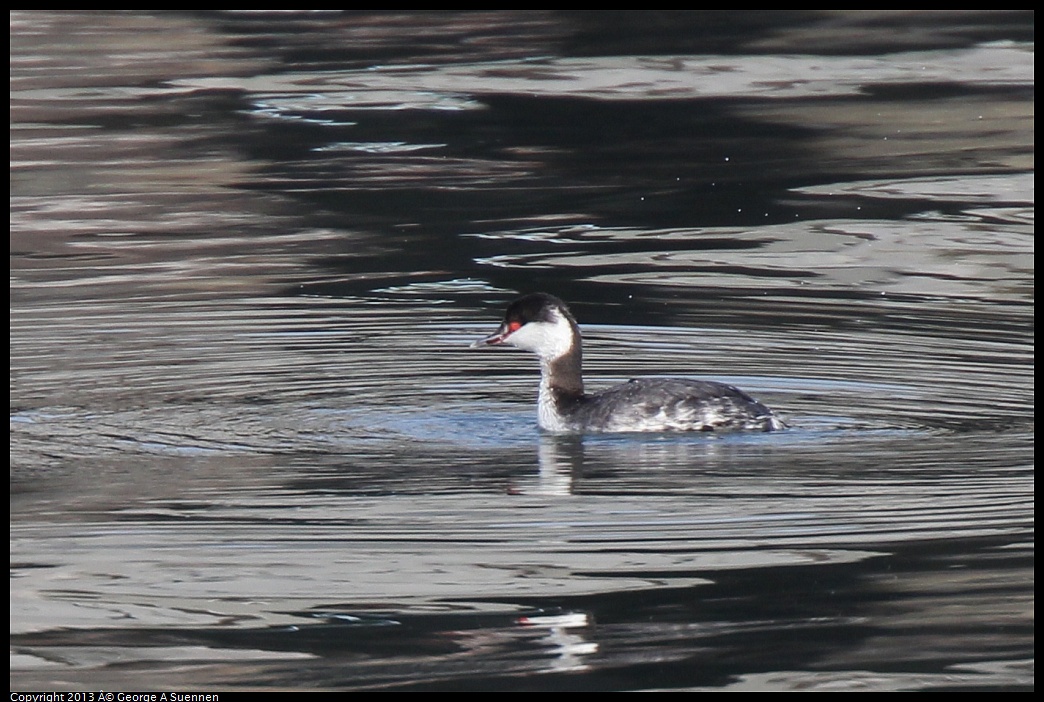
545	340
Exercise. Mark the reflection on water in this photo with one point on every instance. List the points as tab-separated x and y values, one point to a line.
250	446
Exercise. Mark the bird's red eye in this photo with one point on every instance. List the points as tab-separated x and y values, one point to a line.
514	326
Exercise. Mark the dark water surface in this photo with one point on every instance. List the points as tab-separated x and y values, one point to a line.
251	449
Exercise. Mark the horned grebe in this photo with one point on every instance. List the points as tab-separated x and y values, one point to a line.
543	324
